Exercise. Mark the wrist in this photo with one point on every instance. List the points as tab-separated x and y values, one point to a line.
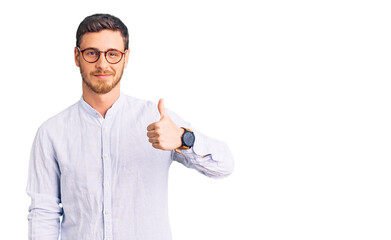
187	139
181	131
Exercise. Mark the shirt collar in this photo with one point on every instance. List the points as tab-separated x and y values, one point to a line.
110	112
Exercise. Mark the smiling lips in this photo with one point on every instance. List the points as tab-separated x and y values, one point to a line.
102	75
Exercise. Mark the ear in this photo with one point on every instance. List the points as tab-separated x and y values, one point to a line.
126	55
77	57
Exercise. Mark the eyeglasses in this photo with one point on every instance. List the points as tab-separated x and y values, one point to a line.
92	55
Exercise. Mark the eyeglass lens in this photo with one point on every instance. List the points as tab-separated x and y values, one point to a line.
92	55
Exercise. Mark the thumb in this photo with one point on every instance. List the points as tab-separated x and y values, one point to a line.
162	109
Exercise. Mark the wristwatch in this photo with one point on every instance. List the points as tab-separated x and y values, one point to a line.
188	139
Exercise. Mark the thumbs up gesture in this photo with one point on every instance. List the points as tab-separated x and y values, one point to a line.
164	134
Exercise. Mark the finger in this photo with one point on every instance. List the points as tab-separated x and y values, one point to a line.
152	133
156	145
161	108
153	140
151	127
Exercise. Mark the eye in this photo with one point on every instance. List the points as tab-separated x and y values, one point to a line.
113	53
90	53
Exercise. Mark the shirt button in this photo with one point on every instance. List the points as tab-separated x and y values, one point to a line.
106	128
105	156
107	212
107	184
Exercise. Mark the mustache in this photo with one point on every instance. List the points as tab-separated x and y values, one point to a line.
102	73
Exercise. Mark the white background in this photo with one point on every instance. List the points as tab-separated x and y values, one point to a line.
299	90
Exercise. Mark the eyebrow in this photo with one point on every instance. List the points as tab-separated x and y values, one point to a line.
102	51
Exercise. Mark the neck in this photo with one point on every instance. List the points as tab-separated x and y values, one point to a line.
101	102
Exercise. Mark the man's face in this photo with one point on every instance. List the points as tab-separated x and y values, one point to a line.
101	77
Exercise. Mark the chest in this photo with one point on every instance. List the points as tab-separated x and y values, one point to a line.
91	152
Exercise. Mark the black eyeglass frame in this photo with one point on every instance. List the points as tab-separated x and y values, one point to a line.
99	53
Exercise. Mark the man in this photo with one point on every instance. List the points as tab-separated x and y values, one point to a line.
102	164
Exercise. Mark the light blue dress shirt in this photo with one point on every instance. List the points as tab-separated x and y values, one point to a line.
103	176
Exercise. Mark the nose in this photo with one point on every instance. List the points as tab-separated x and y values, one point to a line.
102	63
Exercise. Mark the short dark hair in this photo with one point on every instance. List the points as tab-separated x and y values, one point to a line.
99	22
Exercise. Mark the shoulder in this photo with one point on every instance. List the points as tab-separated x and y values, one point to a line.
59	120
140	107
138	103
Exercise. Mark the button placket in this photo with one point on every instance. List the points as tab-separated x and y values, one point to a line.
107	219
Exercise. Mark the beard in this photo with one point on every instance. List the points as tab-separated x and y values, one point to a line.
101	86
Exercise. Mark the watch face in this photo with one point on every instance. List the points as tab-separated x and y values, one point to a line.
188	139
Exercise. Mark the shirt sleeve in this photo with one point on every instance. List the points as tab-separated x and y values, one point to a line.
43	187
208	156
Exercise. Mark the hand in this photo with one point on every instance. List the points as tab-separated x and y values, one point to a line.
164	134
